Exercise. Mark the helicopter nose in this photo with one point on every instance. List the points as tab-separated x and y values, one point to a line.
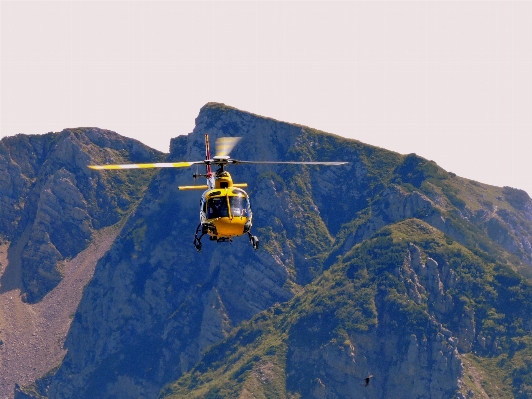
231	227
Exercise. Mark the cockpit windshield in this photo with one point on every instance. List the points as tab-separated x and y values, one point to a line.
217	207
239	206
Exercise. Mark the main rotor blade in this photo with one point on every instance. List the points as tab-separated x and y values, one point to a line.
224	145
234	161
146	165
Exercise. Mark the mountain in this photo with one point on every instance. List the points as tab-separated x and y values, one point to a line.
51	204
388	268
56	220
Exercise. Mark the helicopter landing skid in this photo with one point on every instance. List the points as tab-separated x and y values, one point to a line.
254	241
197	240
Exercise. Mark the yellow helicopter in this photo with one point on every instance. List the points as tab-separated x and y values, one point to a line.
225	210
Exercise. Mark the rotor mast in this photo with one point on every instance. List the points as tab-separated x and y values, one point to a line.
210	179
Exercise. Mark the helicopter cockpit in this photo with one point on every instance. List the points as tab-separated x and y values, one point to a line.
234	204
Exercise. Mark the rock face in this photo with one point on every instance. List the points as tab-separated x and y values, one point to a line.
399	365
414	368
51	202
33	335
157	311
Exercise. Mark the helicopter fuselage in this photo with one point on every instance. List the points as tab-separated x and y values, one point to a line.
225	213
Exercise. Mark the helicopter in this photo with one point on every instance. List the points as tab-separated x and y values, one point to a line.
225	210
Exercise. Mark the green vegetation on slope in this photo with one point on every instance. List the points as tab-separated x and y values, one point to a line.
367	293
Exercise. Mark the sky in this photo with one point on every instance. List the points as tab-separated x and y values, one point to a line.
448	80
